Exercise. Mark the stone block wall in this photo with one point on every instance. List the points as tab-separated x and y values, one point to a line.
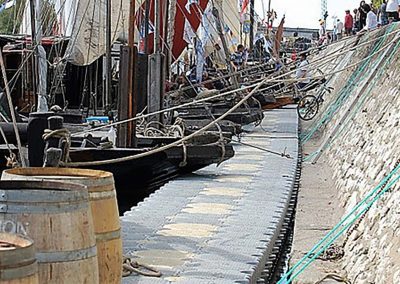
366	150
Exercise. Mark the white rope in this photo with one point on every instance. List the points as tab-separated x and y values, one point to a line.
166	147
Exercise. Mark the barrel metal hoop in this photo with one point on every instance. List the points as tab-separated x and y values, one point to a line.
66	256
42	208
101	195
18	272
108	236
48	196
22	256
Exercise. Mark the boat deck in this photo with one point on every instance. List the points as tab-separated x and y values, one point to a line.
220	224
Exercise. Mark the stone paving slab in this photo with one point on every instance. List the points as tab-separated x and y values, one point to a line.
218	224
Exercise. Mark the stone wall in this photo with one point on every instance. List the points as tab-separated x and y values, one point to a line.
365	150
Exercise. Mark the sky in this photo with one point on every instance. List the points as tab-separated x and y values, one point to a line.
305	14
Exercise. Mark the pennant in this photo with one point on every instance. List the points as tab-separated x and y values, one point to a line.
279	37
244	7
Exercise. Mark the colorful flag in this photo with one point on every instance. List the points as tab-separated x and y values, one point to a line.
244	7
279	37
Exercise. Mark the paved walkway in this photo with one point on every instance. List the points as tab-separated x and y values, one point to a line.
318	211
219	224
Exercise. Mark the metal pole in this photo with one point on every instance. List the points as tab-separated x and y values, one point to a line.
156	60
108	55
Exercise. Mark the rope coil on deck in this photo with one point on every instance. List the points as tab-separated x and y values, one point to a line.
65	140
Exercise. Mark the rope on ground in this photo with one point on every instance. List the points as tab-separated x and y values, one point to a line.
130	266
334	276
282	154
370	199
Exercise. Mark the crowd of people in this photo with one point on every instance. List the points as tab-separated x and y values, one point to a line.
364	18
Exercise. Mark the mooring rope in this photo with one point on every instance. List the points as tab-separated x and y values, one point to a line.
346	91
169	146
356	109
312	64
370	199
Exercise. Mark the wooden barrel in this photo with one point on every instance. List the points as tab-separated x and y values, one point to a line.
17	260
104	207
56	216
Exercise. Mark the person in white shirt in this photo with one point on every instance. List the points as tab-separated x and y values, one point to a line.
392	10
372	19
339	29
303	72
322	32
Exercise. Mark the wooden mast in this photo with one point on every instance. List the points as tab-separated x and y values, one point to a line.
34	58
127	102
156	61
132	96
252	14
107	92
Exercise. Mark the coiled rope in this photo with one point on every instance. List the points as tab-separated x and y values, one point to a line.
130	266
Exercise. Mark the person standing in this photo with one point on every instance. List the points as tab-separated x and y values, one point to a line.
302	72
238	58
392	10
363	15
322	32
339	29
348	23
357	24
218	57
382	14
372	19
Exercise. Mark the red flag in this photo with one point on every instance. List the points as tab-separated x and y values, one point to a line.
244	6
279	37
